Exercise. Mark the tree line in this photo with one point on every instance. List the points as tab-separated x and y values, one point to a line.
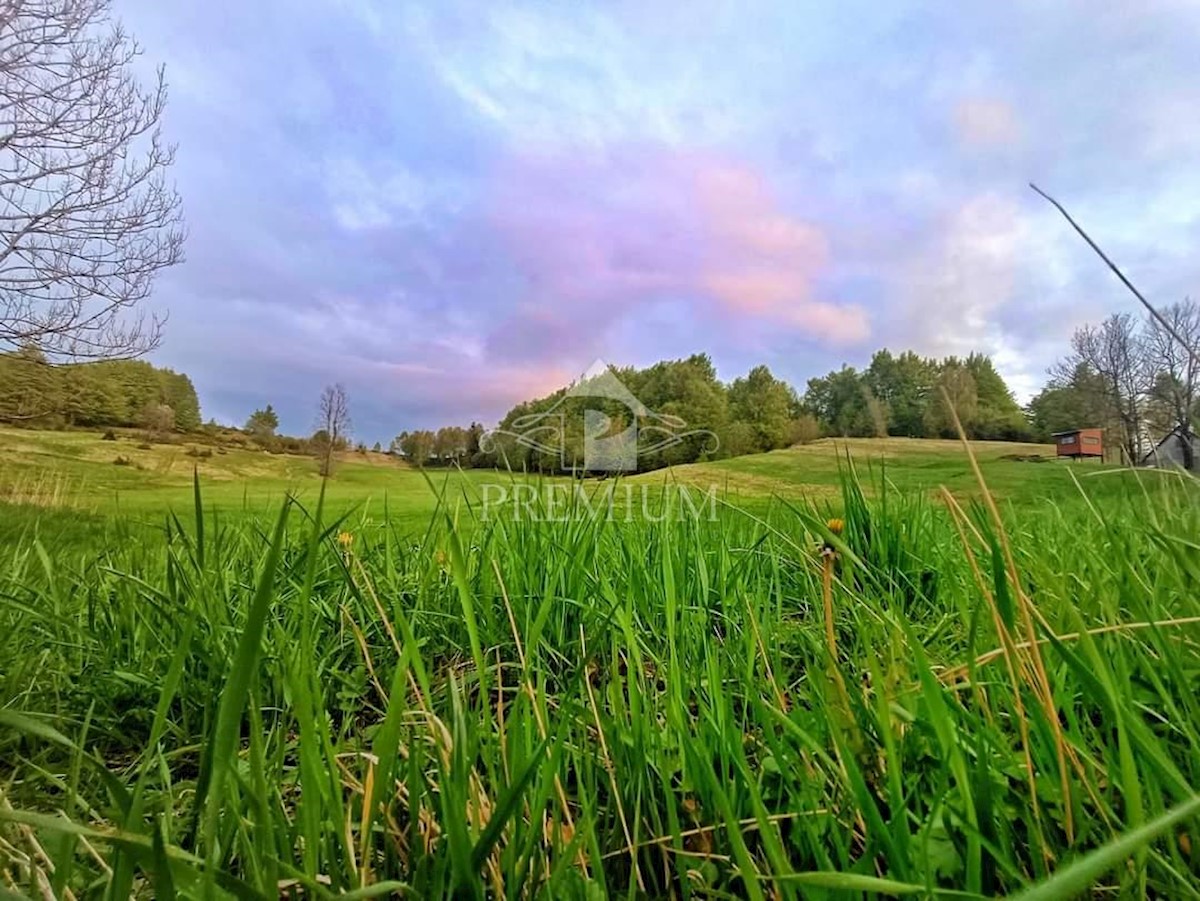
110	393
708	419
1138	379
906	395
694	416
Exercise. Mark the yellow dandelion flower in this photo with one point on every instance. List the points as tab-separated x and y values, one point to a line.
836	526
345	539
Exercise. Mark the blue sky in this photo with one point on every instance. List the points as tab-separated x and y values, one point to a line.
450	207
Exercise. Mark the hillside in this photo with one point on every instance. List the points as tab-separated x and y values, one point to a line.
908	463
79	471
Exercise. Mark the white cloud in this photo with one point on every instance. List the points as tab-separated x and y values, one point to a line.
363	197
956	286
575	75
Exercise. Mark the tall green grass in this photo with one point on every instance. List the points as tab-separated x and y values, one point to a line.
582	708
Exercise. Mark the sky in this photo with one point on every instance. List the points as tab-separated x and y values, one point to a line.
450	206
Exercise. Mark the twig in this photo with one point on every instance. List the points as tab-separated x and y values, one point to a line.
748	825
950	675
1121	275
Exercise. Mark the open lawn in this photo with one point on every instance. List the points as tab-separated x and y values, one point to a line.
75	473
907	463
382	695
73	477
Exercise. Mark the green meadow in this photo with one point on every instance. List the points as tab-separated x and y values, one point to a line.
73	477
869	669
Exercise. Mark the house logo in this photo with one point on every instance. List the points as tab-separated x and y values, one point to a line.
616	428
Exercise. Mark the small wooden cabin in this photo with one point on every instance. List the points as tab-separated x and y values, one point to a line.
1080	443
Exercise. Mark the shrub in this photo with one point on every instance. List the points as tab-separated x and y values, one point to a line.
109	435
202	452
122	461
145	445
804	429
158	419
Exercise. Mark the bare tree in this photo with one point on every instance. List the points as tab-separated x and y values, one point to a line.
333	425
87	218
1117	352
1174	349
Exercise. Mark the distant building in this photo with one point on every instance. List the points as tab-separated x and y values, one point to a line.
1170	450
1078	443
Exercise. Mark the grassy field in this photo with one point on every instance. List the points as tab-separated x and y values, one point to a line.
45	472
77	471
209	690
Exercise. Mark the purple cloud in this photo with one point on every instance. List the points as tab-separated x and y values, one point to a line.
597	237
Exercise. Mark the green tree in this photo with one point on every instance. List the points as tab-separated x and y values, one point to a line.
1079	401
417	446
953	392
135	384
689	391
998	416
838	401
88	397
739	438
474	436
902	383
30	390
178	393
766	404
450	444
263	423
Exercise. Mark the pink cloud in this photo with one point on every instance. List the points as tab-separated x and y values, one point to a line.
598	236
765	263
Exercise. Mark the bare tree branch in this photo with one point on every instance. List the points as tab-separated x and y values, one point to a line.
1177	383
87	217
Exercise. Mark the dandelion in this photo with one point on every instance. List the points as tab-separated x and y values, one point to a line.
345	540
836	527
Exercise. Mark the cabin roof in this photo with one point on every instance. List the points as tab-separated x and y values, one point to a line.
1074	431
1176	434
